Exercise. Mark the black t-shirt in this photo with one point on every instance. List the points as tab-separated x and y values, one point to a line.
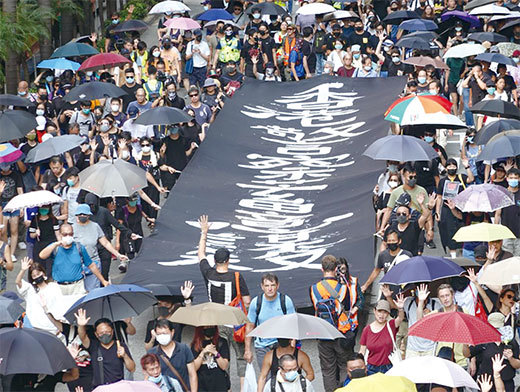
364	40
177	102
246	55
397	69
12	181
488	351
330	38
511	215
409	237
113	367
426	172
130	94
308	51
267	47
191	133
385	259
132	220
477	94
221	286
211	376
442	181
176	152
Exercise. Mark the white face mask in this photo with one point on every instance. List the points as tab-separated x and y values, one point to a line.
164	339
114	107
146	149
393	184
40	112
67	239
433	92
125	154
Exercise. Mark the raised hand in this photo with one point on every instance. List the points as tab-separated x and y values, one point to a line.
421	197
399	301
204	224
26	263
484	381
120	350
492	253
187	289
498	364
81	317
74	349
422	292
385	289
450	204
472	276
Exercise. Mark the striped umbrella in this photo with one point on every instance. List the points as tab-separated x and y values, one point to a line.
405	109
9	154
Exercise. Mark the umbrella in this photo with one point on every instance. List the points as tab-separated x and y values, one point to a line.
496	107
129	386
115	302
74	49
465	262
340	14
314	8
14	100
214	22
10	310
162	290
483	197
209	313
489	10
494	128
464	50
455	327
461	15
507	48
495	58
418	25
163	115
21	344
102	61
426	35
433	370
507	29
422	61
59	63
14	124
54	146
32	199
505	272
397	17
379	382
484	232
9	154
214	14
440	120
400	148
413	43
296	326
131	25
94	90
407	109
487	36
182	24
512	15
477	3
503	145
169	6
271	9
113	178
421	269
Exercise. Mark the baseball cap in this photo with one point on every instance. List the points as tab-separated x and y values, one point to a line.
83	209
193	89
356	48
496	319
404	199
209	82
516	53
388	42
221	255
133	111
383	304
197	32
336	26
480	252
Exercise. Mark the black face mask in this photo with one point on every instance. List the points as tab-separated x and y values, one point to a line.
167	46
43	97
359	28
284	342
163	311
393	246
452	172
336	33
358	373
38	280
210	332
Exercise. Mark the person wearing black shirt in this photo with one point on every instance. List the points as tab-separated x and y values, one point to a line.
130	86
360	37
267	42
309	57
333	37
174	156
251	48
170	97
409	230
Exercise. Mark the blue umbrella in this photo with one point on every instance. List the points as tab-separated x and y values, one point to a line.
214	14
421	269
495	58
418	25
59	63
73	49
503	145
115	302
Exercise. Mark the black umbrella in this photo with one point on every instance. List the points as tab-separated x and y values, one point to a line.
267	9
131	25
10	310
15	124
54	146
163	115
400	148
162	290
426	35
94	90
495	58
487	36
496	108
508	27
494	128
32	351
477	3
14	100
504	145
397	17
413	43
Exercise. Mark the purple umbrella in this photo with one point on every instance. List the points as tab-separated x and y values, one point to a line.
472	20
421	269
484	198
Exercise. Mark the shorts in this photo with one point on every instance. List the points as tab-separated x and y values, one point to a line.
9	214
452	88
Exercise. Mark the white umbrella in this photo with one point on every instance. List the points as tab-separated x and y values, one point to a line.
315	8
500	274
489	9
512	15
439	120
433	370
32	199
214	22
169	6
464	50
340	14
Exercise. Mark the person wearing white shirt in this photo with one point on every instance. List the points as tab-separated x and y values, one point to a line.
137	131
198	51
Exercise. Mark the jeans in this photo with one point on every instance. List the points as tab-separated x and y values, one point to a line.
91	282
198	76
372	369
320	61
468	254
467	112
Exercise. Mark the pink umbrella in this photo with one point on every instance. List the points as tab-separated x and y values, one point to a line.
129	386
182	24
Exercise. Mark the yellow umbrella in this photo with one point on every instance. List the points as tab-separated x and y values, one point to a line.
209	313
502	272
484	232
379	382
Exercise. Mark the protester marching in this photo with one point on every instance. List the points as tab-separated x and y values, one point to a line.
134	257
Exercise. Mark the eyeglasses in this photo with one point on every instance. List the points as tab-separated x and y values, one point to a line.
401	214
193	95
145	145
509	296
412	177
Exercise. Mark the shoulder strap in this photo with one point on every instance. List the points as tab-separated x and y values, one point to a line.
283	303
175	372
237	283
303	383
258	306
391	334
333	293
100	364
462	181
273	382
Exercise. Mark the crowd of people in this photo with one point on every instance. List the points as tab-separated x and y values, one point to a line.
70	246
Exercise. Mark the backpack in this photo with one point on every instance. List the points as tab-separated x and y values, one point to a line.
303	383
320	39
283	304
326	307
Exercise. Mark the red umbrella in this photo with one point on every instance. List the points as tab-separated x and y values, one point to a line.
455	327
102	61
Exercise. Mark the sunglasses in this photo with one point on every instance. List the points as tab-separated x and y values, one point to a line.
144	145
412	177
193	95
401	214
509	296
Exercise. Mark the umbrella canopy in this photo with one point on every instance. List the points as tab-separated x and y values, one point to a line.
270	9
495	58
215	14
418	25
60	63
397	17
94	90
113	178
433	370
379	382
10	310
163	115
487	36
440	120
485	134
74	49
422	61
169	6
102	61
115	302
54	146
408	108
496	107
489	10
483	197
421	269
464	50
14	124
507	48
296	326
131	25
507	29
477	3
9	154
484	232
426	35
214	22
455	327
400	148
209	313
129	386
314	8
503	145
413	43
19	344
461	15
32	199
14	100
465	262
512	15
162	290
340	14
504	273
182	24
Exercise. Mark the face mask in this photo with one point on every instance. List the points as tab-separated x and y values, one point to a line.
451	172
43	211
433	92
40	112
358	373
356	55
229	33
156	380
421	79
166	46
40	279
146	149
367	68
269	71
104	128
513	183
256	16
395	59
516	59
164	339
67	239
210	332
206	8
335	33
89	73
402	218
393	246
220	29
338	46
291	376
393	184
132	203
359	28
428	139
458	28
327	70
172	96
83	219
470	139
491	90
115	21
412	182
70	182
106	338
157	54
114	108
282	342
125	154
31	136
130	80
49	79
22	93
86	111
163	311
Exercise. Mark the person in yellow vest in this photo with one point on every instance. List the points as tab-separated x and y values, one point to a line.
228	48
140	58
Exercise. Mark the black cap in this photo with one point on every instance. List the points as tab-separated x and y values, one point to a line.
197	32
336	26
221	255
480	251
451	161
404	199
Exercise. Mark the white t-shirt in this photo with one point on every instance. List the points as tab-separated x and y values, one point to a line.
70	194
198	60
416	343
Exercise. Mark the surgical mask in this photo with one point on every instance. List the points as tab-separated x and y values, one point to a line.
256	16
386	49
83	219
367	67
206	8
40	112
338	46
156	53
402	218
156	380
470	139
356	55
412	182
106	338
210	332
269	71
31	136
22	93
172	96
513	183
146	149
89	73
125	154
70	182
43	211
421	79
358	373
393	246
67	239
291	376
458	28
164	339
393	184
86	111
428	139
229	33
433	92
130	80
516	59
114	107
163	311
395	59
49	79
115	21
40	279
491	90
104	128
451	172
132	203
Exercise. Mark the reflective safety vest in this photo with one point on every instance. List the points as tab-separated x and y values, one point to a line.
229	50
288	45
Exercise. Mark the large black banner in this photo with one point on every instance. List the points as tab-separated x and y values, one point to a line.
283	181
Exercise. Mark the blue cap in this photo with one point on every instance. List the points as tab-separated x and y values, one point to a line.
83	209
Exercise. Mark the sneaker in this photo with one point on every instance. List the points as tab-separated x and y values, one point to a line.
22	246
122	266
14	259
431	245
